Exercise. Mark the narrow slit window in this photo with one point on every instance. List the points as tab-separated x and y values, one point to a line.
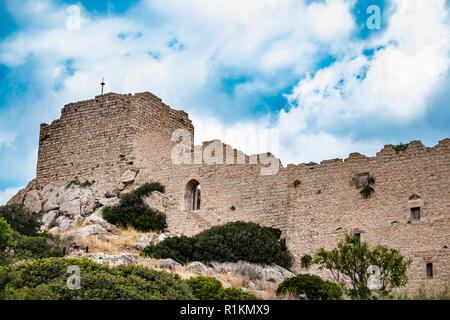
429	270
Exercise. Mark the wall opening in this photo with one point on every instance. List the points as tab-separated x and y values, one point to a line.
415	214
192	195
429	270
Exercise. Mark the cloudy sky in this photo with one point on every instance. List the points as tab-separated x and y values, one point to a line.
311	72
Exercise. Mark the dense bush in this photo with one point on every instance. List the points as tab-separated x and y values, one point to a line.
6	235
313	286
208	288
43	246
133	212
47	279
28	242
21	219
231	242
205	288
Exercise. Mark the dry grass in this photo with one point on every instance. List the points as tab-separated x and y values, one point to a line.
111	243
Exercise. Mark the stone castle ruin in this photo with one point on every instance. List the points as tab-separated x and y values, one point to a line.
123	141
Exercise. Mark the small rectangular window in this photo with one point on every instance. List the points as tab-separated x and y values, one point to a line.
362	179
415	214
429	270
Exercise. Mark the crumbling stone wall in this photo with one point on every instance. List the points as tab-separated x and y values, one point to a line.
104	137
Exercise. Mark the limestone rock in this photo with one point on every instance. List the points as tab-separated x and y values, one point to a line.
269	275
92	229
76	201
32	201
53	200
109	201
64	223
97	218
117	259
48	218
198	268
159	201
168	264
18	198
128	176
143	242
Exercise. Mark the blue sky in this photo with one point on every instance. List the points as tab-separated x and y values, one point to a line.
312	70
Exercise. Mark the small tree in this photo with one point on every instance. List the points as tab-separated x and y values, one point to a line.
352	259
392	267
6	235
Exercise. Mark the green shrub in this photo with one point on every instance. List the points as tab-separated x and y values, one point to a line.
77	182
47	279
132	211
313	286
236	294
209	288
42	246
6	235
400	147
177	248
205	288
296	183
367	191
306	261
21	219
231	242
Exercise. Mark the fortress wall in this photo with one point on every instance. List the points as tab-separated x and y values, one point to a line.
104	137
91	140
320	219
150	114
257	198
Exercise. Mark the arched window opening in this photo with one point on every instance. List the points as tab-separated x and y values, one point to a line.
192	195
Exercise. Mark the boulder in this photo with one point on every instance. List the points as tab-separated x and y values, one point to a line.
74	201
92	229
168	264
53	200
109	201
97	218
64	223
48	218
128	176
143	242
159	201
116	259
269	275
32	201
198	268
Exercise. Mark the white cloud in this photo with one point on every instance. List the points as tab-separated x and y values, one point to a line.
395	85
7	194
259	37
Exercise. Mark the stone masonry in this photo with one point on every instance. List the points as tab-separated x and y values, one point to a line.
109	136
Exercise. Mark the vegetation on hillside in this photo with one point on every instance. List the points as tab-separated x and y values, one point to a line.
209	288
21	227
133	212
231	242
313	286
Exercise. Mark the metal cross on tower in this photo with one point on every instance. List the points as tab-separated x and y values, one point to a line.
102	84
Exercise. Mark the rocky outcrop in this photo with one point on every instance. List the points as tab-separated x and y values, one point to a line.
159	201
